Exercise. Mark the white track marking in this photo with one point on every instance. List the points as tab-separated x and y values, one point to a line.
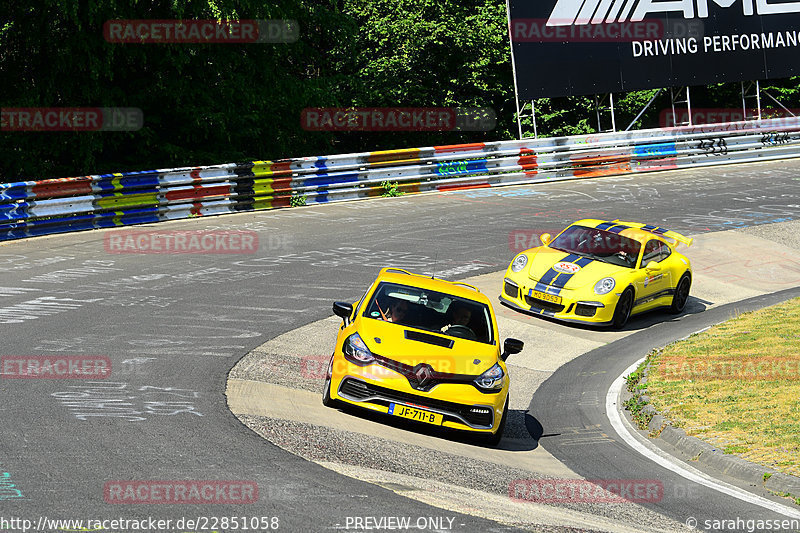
655	454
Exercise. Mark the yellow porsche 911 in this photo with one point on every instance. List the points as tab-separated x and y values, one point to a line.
425	350
600	272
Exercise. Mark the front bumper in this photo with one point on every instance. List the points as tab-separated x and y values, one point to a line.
462	406
583	308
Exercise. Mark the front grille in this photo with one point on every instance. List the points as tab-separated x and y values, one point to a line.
585	310
362	391
422	381
511	290
358	390
543	304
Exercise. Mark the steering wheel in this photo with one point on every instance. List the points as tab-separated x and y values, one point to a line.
462	332
625	256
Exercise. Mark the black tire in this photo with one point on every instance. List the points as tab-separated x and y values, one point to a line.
681	295
494	438
327	401
622	311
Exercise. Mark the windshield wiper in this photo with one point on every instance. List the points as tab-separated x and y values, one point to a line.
583	254
562	250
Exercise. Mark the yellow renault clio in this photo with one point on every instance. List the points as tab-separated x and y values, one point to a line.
422	349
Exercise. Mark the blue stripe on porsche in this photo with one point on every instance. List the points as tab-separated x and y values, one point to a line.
618	228
545	288
551	274
606	225
543	311
655	229
562	280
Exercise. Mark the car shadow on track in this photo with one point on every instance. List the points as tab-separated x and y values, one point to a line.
516	436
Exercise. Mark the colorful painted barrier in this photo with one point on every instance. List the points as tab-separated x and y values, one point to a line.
32	208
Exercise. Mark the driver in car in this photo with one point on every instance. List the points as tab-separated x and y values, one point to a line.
459	314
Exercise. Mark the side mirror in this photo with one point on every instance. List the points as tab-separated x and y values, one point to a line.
343	309
653	266
511	347
545	238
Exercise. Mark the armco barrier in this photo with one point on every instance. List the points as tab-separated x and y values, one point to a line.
43	207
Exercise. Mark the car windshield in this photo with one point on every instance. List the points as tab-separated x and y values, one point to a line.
599	244
431	311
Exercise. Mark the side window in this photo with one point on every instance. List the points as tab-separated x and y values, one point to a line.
665	252
652	252
655	251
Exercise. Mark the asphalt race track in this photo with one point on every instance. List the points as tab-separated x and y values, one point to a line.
591	375
173	325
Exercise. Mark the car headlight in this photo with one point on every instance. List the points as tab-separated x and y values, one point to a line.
604	286
356	351
492	379
519	263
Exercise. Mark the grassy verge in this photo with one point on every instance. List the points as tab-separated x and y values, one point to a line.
737	386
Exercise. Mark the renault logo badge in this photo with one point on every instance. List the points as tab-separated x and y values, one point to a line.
423	372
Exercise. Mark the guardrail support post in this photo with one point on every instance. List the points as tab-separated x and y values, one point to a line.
613	118
689	105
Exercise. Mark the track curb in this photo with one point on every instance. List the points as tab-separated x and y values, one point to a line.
695	449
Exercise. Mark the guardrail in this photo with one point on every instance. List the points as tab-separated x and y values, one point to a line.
31	208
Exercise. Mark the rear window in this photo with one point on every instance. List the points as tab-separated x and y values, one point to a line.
432	311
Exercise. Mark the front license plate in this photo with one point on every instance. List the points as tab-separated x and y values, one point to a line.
416	414
546	297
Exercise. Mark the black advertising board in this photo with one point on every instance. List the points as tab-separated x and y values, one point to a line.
579	47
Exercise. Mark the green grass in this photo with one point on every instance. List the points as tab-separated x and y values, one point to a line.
737	386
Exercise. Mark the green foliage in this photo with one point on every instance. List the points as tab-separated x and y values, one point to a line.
391	189
202	103
297	200
215	103
635	406
634	377
211	103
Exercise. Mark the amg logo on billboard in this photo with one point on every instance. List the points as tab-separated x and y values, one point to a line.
569	12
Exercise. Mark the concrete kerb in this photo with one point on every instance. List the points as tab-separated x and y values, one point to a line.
730	465
709	455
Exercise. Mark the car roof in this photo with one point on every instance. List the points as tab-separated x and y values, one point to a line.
454	288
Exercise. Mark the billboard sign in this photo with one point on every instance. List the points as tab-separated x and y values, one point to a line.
579	47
